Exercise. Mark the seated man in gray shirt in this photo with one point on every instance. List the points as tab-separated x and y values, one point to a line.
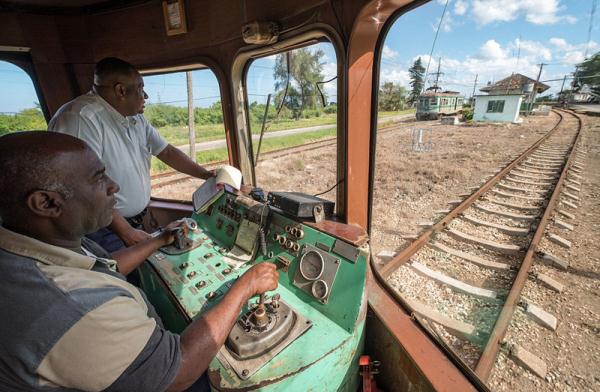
70	321
109	119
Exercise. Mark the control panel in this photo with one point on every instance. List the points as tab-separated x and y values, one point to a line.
318	308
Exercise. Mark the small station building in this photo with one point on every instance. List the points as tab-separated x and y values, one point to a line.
505	98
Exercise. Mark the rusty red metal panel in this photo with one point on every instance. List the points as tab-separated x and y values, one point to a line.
363	41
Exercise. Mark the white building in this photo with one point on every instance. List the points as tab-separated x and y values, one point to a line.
497	108
504	98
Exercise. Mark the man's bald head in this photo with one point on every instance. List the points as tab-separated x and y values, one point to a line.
121	85
31	161
111	70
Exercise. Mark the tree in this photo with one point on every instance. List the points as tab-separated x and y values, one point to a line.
417	79
25	120
305	71
391	97
588	73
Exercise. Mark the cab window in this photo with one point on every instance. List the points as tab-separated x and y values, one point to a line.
20	108
292	112
168	110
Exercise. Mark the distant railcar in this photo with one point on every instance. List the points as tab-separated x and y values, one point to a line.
432	105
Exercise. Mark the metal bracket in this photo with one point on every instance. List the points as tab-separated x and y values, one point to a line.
318	213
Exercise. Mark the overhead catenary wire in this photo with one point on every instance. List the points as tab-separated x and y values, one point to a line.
437	31
590	27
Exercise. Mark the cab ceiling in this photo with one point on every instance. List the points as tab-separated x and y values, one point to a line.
67	6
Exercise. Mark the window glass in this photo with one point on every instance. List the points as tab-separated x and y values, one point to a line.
424	168
298	150
495	106
19	104
167	110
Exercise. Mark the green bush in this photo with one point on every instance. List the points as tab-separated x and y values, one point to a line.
25	120
467	114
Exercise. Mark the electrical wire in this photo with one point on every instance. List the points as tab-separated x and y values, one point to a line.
590	27
321	92
434	41
330	189
267	126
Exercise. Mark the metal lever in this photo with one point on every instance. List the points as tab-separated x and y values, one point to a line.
181	240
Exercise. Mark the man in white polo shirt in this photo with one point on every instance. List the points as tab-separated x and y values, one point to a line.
109	118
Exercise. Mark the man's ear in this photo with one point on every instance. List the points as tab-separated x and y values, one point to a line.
120	90
48	204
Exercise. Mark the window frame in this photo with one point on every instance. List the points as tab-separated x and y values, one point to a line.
190	65
310	34
495	106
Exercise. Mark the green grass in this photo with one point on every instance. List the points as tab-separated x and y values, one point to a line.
271	144
178	135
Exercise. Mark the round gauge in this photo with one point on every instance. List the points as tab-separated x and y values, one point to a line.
320	289
311	265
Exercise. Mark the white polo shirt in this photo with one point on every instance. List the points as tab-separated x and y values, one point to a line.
124	144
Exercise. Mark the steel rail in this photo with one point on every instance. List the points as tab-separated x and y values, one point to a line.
402	257
488	357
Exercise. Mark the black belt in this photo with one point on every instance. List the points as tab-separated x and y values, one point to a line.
138	219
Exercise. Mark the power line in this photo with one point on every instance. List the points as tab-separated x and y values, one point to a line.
435	39
589	37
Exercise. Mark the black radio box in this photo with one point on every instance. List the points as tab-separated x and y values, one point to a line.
299	205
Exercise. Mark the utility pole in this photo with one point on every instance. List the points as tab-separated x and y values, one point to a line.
563	84
436	85
533	93
561	89
474	86
192	132
574	83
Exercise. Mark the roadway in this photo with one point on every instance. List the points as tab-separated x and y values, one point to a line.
587	107
213	144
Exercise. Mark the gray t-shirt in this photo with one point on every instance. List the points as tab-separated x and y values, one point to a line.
70	322
124	144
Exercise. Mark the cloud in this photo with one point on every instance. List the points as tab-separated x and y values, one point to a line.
460	7
388	53
559	43
492	50
495	60
447	23
571	54
330	71
534	49
393	74
539	12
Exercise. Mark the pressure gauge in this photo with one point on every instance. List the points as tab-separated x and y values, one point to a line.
311	265
319	289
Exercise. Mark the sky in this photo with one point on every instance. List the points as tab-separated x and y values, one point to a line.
487	38
491	39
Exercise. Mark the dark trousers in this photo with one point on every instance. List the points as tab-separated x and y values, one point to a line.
201	385
111	242
107	239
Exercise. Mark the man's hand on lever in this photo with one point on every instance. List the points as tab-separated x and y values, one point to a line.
259	279
202	339
169	232
128	259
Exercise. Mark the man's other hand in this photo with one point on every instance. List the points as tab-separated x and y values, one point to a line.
260	278
134	236
168	234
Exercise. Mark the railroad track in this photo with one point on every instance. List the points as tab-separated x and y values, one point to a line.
172	177
463	276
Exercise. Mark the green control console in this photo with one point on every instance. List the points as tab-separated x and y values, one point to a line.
307	334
